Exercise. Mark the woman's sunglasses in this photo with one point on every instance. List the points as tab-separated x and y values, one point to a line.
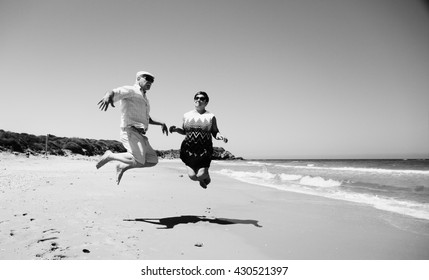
202	98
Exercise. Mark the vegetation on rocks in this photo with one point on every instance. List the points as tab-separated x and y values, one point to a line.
64	146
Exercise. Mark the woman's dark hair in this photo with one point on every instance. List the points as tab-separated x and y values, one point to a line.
203	94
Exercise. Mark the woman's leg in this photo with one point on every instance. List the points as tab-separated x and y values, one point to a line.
191	174
204	177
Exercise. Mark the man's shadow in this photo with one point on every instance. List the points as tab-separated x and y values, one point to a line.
171	222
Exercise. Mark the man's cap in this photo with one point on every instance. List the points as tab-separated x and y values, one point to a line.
140	73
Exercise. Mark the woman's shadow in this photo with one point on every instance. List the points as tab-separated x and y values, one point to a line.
171	222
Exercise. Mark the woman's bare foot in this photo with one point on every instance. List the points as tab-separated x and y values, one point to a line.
203	184
104	159
207	180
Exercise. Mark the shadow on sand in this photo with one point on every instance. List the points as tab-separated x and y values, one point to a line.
171	222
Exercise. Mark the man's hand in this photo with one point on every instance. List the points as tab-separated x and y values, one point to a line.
107	99
164	129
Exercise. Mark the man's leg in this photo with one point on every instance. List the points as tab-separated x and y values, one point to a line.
108	156
139	150
121	168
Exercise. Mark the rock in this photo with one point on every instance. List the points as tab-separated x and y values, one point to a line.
218	154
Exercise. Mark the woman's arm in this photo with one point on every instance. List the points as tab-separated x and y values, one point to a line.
177	129
215	131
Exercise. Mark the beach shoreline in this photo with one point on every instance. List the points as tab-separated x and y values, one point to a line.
64	208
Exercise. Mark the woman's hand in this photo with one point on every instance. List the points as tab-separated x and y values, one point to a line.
220	137
172	129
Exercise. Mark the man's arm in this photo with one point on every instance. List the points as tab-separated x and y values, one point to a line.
155	122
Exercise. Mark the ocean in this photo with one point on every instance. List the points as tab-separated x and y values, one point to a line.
398	186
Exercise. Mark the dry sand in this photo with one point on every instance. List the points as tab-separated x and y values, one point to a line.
64	208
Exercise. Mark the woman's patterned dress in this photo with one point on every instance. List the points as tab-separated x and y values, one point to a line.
197	147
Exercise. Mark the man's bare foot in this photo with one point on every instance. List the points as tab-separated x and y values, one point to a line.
119	172
104	159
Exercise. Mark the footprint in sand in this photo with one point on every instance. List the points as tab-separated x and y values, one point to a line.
53	247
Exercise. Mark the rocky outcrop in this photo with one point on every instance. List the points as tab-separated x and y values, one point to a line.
63	146
218	154
222	154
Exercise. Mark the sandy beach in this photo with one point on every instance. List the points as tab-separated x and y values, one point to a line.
64	208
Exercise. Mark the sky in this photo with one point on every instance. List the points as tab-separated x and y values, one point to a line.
291	79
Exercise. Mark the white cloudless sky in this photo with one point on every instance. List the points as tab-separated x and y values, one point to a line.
286	78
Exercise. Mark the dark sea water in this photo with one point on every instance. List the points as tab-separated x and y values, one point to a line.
398	186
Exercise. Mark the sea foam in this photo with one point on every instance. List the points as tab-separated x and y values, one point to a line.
358	169
328	188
